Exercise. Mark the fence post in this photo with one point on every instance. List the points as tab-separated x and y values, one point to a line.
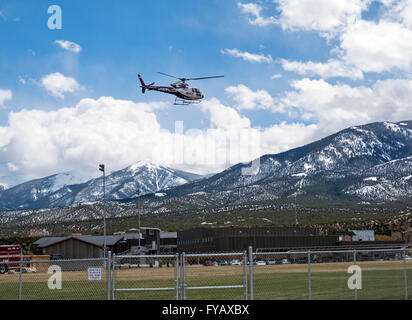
108	273
181	277
405	274
354	263
177	275
252	295
184	275
20	280
245	273
310	279
114	277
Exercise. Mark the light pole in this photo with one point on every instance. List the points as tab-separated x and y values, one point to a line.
138	213
101	168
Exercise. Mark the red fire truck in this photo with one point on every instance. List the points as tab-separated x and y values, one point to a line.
9	253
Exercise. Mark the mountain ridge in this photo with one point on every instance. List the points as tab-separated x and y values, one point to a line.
369	162
52	191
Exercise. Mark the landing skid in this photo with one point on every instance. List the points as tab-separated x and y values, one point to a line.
183	102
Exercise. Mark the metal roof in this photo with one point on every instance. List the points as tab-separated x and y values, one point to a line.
164	234
94	240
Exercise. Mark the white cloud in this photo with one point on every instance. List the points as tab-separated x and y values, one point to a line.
330	69
251	57
58	84
224	117
285	136
336	107
276	76
116	132
319	15
377	47
119	133
4	96
22	79
12	167
68	45
399	11
387	3
405	12
255	10
382	45
39	143
247	99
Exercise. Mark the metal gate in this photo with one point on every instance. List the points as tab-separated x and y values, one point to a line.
209	259
145	268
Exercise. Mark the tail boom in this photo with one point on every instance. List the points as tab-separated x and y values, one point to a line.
143	85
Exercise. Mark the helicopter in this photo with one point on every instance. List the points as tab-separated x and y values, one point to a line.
185	94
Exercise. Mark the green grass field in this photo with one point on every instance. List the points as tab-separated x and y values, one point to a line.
380	280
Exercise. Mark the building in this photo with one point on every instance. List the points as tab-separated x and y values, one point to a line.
168	242
239	239
77	246
83	246
270	239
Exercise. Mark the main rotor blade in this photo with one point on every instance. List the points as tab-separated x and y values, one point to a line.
165	74
205	78
188	79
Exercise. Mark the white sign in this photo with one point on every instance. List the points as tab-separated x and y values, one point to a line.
94	274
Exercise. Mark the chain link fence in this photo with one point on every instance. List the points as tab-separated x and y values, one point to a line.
281	275
214	276
329	275
292	275
332	275
140	277
384	275
79	279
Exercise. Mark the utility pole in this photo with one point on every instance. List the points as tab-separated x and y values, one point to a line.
101	168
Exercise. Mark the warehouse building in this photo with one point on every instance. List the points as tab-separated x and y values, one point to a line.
83	246
264	239
239	239
155	241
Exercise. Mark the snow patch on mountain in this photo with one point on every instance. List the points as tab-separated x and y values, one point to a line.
63	179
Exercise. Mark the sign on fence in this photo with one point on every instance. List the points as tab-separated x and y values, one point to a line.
94	274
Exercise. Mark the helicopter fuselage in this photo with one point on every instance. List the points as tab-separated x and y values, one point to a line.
179	89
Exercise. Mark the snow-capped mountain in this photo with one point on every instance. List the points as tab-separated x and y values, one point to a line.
64	190
35	191
369	163
336	166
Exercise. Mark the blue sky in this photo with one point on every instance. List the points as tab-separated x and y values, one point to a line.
295	71
182	38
